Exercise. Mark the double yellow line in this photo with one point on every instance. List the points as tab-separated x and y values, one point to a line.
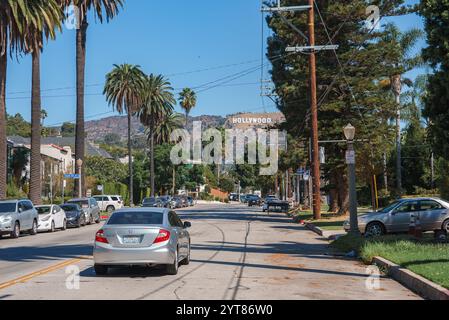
30	276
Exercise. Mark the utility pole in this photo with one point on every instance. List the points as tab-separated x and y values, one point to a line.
311	49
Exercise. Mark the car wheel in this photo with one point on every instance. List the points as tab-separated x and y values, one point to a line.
64	225
52	228
33	231
84	220
446	226
110	209
98	219
16	231
172	269
100	270
91	220
375	229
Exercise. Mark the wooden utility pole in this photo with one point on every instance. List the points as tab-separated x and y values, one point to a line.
316	176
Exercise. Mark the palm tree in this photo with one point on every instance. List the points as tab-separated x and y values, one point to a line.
103	9
158	101
169	123
400	59
187	99
123	89
46	20
22	27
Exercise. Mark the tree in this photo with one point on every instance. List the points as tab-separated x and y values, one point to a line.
169	123
68	129
187	99
17	126
102	9
18	20
400	60
348	85
436	18
105	170
123	88
112	139
47	19
157	102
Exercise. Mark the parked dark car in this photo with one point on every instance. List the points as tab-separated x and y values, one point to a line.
152	202
244	198
254	200
75	215
90	208
165	200
233	197
191	201
177	201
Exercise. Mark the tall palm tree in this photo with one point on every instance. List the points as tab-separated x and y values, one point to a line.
168	124
400	59
19	21
46	19
123	89
158	101
102	9
187	99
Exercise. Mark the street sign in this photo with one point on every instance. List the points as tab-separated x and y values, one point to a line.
350	157
72	176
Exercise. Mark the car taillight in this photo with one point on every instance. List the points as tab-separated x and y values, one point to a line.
163	236
99	237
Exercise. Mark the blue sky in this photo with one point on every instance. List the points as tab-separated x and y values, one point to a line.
171	37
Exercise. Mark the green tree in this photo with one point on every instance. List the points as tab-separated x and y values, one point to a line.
105	170
157	102
187	99
123	89
112	139
102	10
349	89
68	129
17	126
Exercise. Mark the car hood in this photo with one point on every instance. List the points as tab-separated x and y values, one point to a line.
6	213
71	214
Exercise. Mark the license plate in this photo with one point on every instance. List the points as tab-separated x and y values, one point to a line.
131	240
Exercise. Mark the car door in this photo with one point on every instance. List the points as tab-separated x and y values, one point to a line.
25	217
95	208
431	215
183	236
400	217
58	216
175	227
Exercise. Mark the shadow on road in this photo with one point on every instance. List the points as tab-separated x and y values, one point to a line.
25	254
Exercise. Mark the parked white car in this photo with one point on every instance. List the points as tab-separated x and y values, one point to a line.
109	203
51	217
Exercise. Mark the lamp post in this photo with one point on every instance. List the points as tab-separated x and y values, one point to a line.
349	132
79	163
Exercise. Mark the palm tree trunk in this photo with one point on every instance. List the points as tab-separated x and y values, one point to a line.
187	118
80	75
152	161
398	147
3	142
130	163
35	161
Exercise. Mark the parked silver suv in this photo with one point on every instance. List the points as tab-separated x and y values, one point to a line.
433	214
17	216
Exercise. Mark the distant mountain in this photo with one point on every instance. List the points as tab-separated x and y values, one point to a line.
96	130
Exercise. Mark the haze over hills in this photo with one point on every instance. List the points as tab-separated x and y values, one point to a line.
96	130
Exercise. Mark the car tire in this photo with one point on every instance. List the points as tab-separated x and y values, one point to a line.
110	209
52	227
64	225
100	270
84	221
446	226
172	269
98	219
375	229
91	220
16	231
33	230
186	261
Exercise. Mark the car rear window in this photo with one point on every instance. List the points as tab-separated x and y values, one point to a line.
136	218
114	198
70	207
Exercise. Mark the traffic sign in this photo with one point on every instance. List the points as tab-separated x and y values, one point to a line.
72	176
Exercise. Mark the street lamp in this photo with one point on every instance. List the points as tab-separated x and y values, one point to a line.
79	163
349	132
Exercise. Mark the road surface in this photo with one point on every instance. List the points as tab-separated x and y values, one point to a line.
237	253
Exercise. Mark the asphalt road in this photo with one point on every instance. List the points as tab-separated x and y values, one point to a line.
237	253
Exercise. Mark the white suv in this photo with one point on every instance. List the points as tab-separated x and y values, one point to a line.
109	203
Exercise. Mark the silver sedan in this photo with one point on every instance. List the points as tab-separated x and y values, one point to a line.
432	213
142	237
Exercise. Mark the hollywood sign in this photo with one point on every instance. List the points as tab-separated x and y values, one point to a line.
252	120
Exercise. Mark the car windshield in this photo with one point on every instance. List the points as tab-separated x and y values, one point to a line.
81	203
70	207
7	207
149	200
136	218
43	210
390	207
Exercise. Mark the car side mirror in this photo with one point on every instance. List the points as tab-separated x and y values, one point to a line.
20	210
187	225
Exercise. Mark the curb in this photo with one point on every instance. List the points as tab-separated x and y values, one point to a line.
425	288
315	229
